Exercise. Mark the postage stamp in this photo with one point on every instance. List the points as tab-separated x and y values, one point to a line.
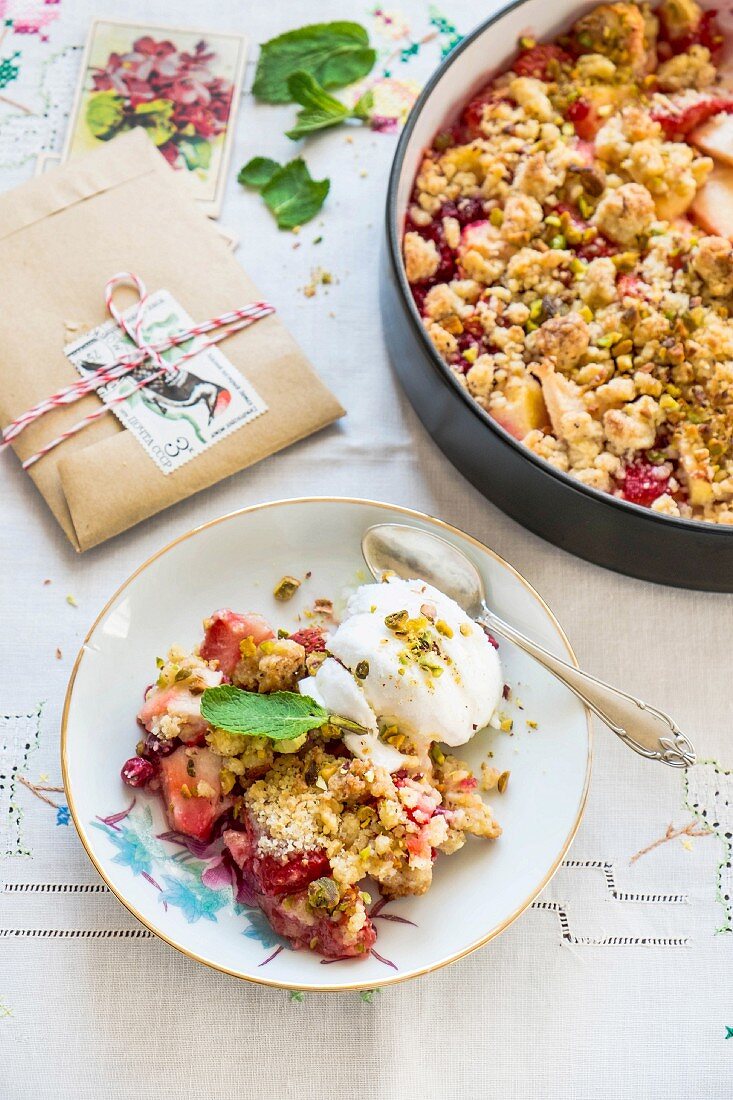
182	413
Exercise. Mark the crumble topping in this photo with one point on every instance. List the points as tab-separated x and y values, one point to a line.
570	259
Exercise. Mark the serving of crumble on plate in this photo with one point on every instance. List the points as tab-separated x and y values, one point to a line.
347	786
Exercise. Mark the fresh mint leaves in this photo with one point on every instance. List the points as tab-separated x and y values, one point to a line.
335	54
282	716
321	110
290	192
258	172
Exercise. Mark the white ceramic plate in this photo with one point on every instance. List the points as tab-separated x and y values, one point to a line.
235	561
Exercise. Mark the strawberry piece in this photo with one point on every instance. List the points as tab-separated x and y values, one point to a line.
267	875
473	114
678	124
642	483
180	776
707	33
541	62
225	630
630	286
287	878
324	935
311	638
585	119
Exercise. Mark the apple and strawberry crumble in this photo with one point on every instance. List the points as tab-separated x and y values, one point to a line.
316	755
568	248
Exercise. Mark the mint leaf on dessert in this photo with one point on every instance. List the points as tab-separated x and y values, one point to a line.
257	172
281	716
320	109
335	54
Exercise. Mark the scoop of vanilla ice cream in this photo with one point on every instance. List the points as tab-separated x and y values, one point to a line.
405	653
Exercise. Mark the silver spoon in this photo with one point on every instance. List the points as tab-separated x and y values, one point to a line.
411	553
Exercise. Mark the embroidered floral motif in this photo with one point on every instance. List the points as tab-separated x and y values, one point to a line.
18	738
709	795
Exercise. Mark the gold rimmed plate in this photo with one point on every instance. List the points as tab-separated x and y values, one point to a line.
235	561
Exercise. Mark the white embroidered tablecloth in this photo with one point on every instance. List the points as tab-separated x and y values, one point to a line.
617	983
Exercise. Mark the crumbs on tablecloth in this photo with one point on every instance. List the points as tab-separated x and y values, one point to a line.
72	601
59	654
319	277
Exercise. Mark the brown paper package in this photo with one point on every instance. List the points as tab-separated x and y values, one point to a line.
62	236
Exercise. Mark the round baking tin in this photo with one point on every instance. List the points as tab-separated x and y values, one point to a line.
593	525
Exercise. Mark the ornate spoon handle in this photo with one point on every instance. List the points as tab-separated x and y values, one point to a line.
644	728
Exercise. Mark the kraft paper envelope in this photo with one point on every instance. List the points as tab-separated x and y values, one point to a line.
62	236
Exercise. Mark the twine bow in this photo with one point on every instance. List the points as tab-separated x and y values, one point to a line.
223	325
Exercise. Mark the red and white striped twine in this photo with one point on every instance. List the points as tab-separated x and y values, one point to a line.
223	325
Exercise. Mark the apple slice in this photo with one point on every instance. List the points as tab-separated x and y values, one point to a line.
715	138
523	409
713	205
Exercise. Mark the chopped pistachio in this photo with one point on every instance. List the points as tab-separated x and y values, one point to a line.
585	207
506	725
442	627
496	217
465	630
502	782
286	588
396	620
362	670
471	354
323	893
437	755
586	313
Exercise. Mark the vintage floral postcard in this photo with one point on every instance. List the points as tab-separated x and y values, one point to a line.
181	86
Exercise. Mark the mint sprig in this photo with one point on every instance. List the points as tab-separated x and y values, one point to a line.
289	192
281	716
321	110
335	54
